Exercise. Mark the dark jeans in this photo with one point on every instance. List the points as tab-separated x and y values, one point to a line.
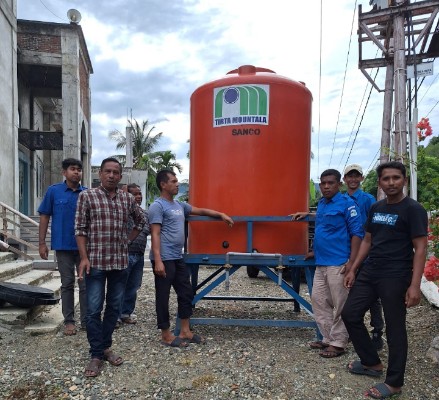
68	262
367	289
134	281
376	317
295	283
177	276
100	331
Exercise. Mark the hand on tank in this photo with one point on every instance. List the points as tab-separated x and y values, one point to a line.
227	219
299	215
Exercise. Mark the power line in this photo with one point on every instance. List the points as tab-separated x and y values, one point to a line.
361	121
48	9
344	81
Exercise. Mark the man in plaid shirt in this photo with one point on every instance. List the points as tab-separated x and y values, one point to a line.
101	232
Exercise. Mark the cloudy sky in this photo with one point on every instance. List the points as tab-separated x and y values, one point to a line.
149	56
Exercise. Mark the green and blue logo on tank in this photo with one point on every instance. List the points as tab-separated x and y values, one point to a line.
241	104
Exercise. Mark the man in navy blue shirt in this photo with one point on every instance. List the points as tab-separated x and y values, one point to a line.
337	238
60	203
353	176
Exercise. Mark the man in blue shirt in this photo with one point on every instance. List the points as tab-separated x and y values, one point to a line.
60	203
353	176
337	238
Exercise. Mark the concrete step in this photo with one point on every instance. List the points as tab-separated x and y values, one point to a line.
6	256
33	277
14	317
11	269
50	319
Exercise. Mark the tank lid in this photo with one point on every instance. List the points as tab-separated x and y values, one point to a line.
249	70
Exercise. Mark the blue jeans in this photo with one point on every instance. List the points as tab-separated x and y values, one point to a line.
100	331
134	281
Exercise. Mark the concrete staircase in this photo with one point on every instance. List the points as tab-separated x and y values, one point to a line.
30	234
34	320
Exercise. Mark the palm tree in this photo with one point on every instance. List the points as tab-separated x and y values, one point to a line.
143	145
143	142
166	160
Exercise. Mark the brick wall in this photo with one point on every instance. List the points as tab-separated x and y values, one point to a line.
40	43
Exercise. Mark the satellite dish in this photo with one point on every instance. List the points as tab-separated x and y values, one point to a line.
74	16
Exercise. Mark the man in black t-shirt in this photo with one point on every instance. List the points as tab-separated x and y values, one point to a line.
395	246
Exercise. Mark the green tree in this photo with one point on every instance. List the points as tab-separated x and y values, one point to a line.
428	180
370	183
167	160
143	142
144	157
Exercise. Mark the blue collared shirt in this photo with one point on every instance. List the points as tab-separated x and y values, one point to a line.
60	204
337	220
364	201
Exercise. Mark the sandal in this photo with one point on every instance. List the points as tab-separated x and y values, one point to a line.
355	367
94	368
332	352
197	339
318	345
129	320
381	391
176	342
112	358
69	330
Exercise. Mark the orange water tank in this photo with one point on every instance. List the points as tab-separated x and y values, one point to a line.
250	156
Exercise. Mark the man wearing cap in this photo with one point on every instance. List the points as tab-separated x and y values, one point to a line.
353	176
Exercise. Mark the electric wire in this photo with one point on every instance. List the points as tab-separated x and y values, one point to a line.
354	124
429	87
359	126
344	81
432	109
48	9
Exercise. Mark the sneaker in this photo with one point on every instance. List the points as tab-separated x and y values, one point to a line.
377	340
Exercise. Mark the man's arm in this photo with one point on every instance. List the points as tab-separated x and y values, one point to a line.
413	294
362	253
301	215
42	232
159	267
212	213
84	264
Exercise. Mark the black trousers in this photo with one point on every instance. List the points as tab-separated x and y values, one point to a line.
367	288
177	276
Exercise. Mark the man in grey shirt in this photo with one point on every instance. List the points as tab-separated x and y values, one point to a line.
166	218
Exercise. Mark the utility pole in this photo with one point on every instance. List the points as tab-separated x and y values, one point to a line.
385	27
400	115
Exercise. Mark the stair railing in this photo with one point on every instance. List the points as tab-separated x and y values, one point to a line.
12	219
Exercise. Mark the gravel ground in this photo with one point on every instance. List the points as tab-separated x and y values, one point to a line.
235	363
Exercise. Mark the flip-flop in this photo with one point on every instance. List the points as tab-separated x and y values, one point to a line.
383	390
355	367
197	339
69	330
129	320
177	342
112	358
94	368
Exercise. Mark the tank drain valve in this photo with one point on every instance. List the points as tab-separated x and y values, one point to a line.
227	281
280	269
